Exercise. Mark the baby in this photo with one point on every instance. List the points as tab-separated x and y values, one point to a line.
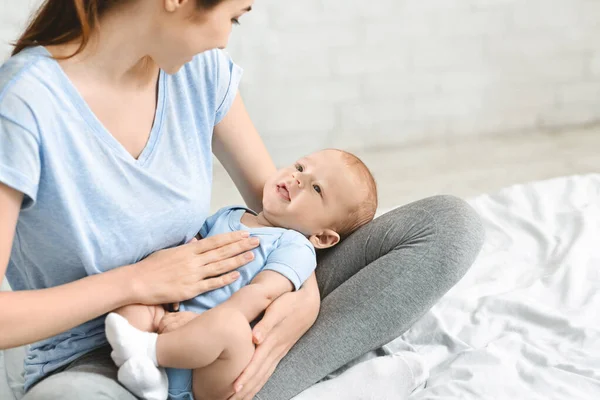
310	205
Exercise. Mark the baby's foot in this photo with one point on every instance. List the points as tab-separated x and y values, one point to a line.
142	378
127	341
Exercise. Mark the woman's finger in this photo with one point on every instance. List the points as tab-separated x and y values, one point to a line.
244	380
206	285
218	241
265	355
274	315
223	266
262	382
258	382
229	251
252	384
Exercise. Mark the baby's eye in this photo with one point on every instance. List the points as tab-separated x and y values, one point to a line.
235	21
300	168
317	188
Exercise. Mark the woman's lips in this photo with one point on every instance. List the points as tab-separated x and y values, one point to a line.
283	192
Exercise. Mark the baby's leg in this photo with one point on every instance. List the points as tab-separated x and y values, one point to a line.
217	345
131	333
215	381
144	318
124	340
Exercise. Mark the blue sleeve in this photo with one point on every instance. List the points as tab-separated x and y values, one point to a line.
20	161
228	80
294	258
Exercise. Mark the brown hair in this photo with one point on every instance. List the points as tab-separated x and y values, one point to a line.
364	211
62	21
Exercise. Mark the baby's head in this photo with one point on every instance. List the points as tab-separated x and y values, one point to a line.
326	196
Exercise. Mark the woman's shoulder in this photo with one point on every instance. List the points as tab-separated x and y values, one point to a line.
23	78
209	63
211	79
211	69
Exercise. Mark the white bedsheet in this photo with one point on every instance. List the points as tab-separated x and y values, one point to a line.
524	323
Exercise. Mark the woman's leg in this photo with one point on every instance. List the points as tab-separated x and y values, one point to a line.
377	283
91	377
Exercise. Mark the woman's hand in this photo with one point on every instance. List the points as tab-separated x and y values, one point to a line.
183	272
172	321
284	323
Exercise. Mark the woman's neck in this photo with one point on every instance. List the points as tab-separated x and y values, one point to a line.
117	52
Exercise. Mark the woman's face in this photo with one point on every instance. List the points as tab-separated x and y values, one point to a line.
184	30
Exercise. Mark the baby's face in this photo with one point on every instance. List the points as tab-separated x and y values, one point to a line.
312	195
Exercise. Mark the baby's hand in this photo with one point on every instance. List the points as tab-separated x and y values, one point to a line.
172	321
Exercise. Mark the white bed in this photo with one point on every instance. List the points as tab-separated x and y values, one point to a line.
524	323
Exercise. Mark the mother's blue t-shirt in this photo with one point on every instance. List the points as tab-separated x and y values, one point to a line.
89	206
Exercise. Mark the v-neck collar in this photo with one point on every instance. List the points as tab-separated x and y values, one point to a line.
99	128
235	223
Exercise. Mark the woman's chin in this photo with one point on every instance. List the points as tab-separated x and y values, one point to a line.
173	69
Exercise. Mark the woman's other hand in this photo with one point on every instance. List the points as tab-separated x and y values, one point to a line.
284	323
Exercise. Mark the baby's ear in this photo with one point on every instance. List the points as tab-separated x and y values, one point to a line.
325	239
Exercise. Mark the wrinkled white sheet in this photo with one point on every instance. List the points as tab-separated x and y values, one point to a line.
524	323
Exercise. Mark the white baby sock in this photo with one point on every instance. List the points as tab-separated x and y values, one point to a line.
391	377
134	352
127	341
142	378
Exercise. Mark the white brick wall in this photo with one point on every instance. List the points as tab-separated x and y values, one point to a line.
389	72
358	73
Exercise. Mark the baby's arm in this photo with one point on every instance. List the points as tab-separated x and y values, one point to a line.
251	300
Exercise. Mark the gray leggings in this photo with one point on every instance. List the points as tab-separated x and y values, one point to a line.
374	286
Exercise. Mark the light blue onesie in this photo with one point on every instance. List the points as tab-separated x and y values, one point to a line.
282	250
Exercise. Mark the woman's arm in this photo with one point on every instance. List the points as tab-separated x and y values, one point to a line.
29	316
240	149
166	276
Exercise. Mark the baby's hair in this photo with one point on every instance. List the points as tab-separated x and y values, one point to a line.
364	212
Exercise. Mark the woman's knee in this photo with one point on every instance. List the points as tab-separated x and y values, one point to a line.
454	217
458	232
444	232
78	385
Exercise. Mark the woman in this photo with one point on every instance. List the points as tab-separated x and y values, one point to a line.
109	111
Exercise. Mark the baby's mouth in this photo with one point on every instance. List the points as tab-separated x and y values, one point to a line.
283	191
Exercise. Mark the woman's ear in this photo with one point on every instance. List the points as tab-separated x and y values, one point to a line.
325	239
